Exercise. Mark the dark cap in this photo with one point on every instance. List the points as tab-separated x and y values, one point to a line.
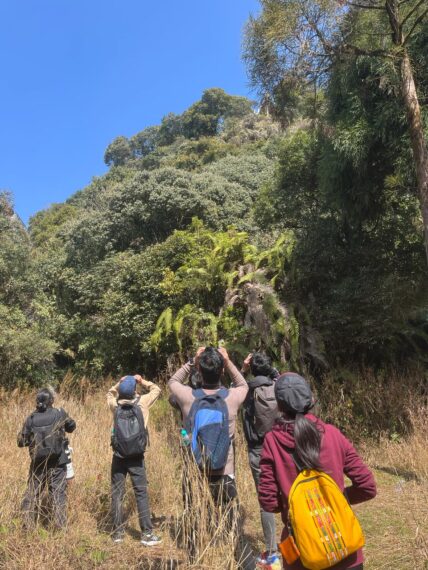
294	393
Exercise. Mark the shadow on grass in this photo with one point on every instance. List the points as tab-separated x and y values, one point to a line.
398	472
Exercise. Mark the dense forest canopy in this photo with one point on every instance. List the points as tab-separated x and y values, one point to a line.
292	226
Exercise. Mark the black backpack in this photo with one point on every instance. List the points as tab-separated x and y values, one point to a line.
260	410
129	436
47	435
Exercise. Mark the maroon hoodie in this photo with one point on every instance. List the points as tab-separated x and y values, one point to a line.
338	458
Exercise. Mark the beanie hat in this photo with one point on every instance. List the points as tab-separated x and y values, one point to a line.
127	388
294	393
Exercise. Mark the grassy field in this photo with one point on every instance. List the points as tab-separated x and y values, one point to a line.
395	523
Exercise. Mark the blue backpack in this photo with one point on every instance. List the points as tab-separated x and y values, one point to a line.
208	422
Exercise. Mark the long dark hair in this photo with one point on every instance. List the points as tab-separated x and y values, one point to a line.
307	439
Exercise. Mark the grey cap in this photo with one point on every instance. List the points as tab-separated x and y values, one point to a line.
294	393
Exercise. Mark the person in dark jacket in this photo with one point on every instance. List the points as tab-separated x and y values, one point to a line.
43	433
260	411
315	445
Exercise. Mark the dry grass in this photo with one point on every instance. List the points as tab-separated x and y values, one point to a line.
395	523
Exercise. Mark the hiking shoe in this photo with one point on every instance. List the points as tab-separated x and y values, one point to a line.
150	539
117	538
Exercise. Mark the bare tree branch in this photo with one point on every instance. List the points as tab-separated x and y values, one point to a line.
370	53
412	11
364	6
415	25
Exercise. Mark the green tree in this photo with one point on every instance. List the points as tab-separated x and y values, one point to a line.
26	351
118	152
144	142
305	38
206	117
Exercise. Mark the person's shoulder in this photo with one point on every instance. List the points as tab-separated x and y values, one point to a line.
30	417
332	431
271	435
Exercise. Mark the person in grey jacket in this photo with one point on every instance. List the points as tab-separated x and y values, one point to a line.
260	411
43	433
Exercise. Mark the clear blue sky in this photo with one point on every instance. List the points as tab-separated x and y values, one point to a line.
74	74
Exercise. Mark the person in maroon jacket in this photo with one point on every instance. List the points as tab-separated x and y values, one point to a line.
314	445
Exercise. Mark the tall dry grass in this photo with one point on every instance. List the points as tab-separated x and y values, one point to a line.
87	544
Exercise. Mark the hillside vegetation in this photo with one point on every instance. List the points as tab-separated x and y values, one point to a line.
292	226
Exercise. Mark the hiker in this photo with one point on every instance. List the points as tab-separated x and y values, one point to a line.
260	410
43	433
300	441
129	441
209	416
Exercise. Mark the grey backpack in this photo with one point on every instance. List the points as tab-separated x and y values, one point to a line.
260	409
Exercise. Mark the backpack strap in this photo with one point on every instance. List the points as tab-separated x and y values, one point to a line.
146	428
200	393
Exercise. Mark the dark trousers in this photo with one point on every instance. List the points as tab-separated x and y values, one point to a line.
225	498
54	477
137	471
267	519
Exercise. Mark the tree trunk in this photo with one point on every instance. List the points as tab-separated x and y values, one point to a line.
419	145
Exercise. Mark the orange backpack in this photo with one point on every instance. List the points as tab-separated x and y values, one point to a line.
324	527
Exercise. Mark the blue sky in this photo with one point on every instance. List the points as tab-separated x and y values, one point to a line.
77	73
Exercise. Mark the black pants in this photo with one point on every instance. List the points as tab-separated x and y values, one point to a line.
225	497
137	471
54	477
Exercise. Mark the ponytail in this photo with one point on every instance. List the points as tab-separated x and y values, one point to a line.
307	438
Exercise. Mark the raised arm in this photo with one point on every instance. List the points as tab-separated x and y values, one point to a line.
112	395
176	386
240	386
152	391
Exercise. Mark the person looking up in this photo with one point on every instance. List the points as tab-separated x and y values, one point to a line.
129	439
301	439
260	411
198	407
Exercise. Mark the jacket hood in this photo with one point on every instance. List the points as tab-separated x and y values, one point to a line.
283	433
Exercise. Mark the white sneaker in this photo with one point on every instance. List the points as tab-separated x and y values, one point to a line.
150	539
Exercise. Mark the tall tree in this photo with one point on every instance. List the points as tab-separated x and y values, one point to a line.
303	39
